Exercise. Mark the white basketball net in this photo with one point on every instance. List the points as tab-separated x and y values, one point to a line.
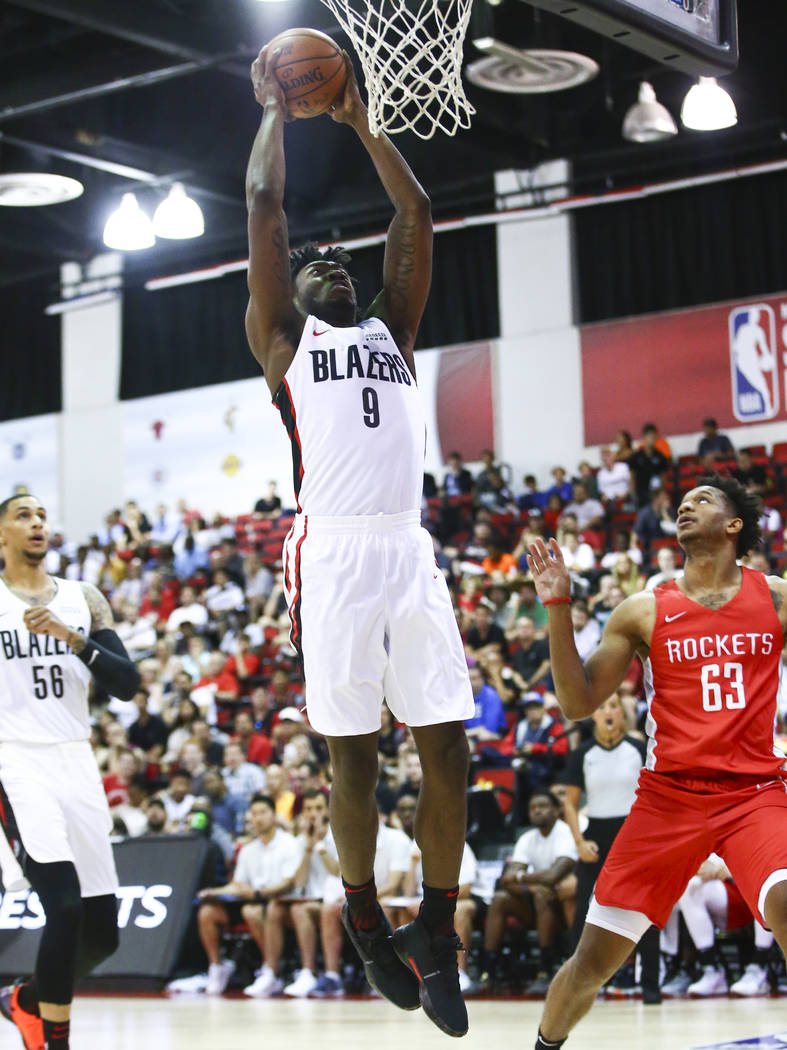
411	60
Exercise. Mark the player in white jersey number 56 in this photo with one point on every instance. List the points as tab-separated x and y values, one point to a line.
371	615
54	820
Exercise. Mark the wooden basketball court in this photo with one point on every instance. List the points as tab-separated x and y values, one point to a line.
201	1023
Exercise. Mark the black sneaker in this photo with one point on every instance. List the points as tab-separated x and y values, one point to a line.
433	961
384	971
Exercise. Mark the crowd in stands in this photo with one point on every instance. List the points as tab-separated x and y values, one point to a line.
217	742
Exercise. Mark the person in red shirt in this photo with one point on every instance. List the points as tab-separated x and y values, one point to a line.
159	601
243	664
116	784
256	746
713	782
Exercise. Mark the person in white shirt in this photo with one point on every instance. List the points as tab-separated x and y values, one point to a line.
138	636
579	557
589	512
241	777
225	595
587	631
667	569
614	477
391	863
265	870
178	800
537	887
166	525
318	861
190	611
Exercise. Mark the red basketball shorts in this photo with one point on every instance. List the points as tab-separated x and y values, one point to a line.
676	822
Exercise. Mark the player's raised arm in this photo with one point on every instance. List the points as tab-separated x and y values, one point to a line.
270	314
581	688
407	270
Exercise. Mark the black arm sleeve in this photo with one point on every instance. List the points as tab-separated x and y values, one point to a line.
107	660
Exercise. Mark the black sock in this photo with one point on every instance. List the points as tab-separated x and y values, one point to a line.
761	956
489	961
56	1035
547	955
542	1044
438	909
28	997
707	957
365	912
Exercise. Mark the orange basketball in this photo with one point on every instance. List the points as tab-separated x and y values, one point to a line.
310	70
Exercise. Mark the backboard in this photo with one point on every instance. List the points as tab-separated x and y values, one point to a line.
696	36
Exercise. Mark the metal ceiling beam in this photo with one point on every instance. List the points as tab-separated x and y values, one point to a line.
147	25
53	90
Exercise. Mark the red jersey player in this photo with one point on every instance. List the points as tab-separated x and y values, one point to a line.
711	644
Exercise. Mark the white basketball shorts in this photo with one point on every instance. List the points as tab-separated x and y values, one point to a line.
52	794
371	615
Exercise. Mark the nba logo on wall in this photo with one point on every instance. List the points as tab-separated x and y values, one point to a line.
754	363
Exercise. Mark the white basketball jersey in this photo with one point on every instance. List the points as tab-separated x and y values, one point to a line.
43	685
355	419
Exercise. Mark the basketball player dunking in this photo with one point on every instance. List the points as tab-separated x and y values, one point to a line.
371	615
713	782
54	634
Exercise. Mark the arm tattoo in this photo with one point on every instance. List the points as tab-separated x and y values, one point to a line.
281	260
101	617
778	600
397	292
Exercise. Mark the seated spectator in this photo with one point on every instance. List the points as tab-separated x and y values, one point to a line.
166	526
587	633
623	542
257	747
278	787
131	588
476	548
457	481
190	558
318	861
661	443
540	745
579	557
259	583
269	505
182	729
531	498
586	476
654	521
608	602
537	888
211	742
216	687
243	664
228	809
713	443
498	563
265	870
411	775
191	610
242	778
530	663
178	799
498	497
560	486
137	635
667	569
484	631
391	862
156	814
157	604
489	720
627	576
648	467
133	812
116	783
224	595
753	476
613	477
148	733
483	477
588	512
525	602
391	735
116	744
712	901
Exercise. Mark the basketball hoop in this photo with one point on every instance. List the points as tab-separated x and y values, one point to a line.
411	60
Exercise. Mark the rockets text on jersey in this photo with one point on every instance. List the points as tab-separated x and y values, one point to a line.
353	412
712	679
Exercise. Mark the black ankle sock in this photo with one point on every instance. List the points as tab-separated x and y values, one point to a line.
542	1044
365	912
707	957
761	957
28	997
438	909
56	1035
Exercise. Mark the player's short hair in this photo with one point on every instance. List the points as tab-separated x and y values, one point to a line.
309	253
266	800
744	504
17	495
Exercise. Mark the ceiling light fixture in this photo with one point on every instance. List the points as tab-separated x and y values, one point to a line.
708	107
33	189
647	120
128	229
178	217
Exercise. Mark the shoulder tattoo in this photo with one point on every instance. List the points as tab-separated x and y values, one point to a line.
101	617
777	599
